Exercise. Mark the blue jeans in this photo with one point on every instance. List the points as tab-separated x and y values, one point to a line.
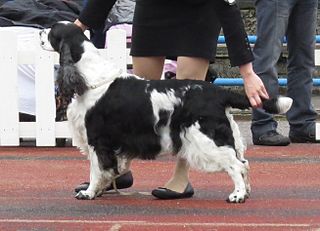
295	19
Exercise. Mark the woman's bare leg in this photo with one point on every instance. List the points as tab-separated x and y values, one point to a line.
148	67
187	68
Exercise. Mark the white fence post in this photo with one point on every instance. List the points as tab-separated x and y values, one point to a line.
45	97
9	115
117	48
317	63
317	131
317	57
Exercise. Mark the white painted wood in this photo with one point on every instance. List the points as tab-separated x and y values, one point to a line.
28	57
45	130
62	130
317	57
117	48
45	96
28	130
318	131
9	115
317	63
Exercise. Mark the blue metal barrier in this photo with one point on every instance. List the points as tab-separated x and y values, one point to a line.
239	82
253	39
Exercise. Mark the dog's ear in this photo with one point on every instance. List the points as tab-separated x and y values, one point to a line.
69	79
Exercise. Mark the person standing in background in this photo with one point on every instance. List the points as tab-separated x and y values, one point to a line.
295	19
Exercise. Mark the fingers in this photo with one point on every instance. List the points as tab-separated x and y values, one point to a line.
255	101
263	93
80	24
257	95
255	90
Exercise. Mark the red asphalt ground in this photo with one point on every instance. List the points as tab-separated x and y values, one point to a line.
37	194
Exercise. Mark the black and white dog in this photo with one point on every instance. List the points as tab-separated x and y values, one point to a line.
116	117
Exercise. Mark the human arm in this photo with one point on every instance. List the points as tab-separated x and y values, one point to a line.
238	46
240	52
94	14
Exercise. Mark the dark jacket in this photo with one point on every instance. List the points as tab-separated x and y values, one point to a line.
95	13
121	12
37	13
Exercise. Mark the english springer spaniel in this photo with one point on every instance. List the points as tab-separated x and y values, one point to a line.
116	117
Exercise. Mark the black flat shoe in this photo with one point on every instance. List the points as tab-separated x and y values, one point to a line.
165	194
123	181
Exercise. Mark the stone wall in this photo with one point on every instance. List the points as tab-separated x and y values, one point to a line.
222	65
248	12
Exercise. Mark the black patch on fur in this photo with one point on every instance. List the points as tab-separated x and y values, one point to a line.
67	40
68	34
270	106
164	116
69	79
123	118
126	120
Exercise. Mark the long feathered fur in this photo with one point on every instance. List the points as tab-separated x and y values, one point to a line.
69	79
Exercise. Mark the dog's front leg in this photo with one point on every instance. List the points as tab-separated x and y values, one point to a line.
99	179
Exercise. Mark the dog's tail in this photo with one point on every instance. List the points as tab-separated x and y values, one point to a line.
277	105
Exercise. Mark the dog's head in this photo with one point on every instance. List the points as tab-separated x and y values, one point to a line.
63	34
67	39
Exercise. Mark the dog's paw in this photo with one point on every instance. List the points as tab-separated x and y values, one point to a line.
237	197
83	195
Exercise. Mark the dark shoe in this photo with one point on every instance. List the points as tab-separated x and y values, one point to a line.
272	138
165	194
123	181
309	137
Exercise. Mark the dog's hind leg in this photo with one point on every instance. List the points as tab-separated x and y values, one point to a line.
99	178
202	153
239	144
240	148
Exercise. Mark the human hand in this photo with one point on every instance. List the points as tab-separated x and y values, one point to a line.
253	86
80	24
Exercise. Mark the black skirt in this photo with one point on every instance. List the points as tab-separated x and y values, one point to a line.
175	28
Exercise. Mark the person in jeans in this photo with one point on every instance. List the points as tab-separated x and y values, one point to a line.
295	19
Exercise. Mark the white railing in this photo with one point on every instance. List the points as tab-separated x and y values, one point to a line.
45	130
317	63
